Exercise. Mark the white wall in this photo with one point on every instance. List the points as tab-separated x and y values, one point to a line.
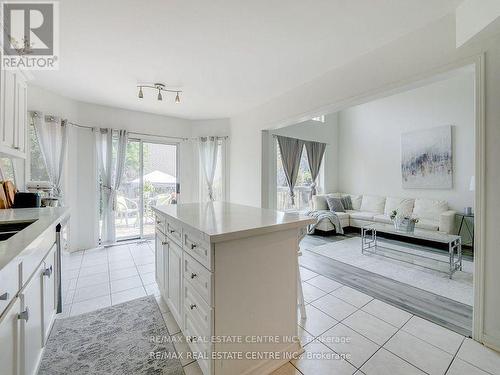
370	139
407	59
80	176
221	127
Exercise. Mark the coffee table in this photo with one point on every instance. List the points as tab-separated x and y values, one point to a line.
438	261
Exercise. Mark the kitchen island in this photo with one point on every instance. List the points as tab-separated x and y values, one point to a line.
229	275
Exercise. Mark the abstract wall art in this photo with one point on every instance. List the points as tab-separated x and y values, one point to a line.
426	159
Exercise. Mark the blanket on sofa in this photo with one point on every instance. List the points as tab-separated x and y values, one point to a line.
324	215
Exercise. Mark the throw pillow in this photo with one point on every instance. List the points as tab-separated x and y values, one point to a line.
347	202
335	204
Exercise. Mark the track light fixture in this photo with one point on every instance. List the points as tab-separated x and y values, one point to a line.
160	87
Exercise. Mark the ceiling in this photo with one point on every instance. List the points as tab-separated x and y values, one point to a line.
226	55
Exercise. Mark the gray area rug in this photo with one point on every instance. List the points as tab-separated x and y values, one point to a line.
115	340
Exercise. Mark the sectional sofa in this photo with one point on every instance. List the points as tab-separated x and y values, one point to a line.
433	215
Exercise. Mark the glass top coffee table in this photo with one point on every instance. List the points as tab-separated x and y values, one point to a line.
447	263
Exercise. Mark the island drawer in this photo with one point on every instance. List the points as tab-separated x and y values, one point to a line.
198	277
9	284
197	247
174	231
161	223
197	311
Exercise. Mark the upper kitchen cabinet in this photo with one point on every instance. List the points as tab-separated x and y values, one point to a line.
13	114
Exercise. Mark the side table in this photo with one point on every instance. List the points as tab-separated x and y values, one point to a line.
468	225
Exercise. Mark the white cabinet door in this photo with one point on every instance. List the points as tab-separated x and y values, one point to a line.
13	113
165	249
175	280
21	123
9	340
31	323
9	109
2	104
49	292
159	270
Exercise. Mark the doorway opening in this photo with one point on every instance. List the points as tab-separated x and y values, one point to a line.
366	162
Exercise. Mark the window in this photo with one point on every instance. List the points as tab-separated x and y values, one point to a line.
319	118
302	188
38	170
7	170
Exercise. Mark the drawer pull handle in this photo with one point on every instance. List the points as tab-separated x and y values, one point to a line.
172	231
193	246
25	315
47	271
193	275
164	243
192	306
4	297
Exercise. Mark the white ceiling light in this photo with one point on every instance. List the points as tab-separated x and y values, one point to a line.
160	87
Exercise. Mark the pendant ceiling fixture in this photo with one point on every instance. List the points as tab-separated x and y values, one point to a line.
160	87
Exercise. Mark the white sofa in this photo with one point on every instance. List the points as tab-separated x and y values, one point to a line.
433	214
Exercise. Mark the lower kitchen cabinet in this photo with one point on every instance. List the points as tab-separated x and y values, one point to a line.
26	322
10	354
49	290
161	262
174	297
32	323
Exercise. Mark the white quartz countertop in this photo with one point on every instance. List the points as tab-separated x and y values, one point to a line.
45	218
222	221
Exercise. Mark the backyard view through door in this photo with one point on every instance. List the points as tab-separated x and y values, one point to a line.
150	179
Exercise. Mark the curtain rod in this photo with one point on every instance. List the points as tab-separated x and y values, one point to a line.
54	118
306	140
134	133
149	134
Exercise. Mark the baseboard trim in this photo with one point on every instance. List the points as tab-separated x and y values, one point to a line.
491	342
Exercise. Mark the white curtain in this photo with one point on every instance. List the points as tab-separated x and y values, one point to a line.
111	168
52	134
208	149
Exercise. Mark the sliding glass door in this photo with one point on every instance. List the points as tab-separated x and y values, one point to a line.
151	178
128	212
160	174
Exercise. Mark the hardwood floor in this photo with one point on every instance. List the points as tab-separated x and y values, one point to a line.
448	313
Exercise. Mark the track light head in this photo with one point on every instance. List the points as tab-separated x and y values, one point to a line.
177	98
159	95
141	95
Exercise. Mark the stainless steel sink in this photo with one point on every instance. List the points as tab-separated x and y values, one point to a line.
7	230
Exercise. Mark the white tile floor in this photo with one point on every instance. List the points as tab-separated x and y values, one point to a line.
346	331
356	334
103	277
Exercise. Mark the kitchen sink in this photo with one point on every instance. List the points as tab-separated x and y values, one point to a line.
7	230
